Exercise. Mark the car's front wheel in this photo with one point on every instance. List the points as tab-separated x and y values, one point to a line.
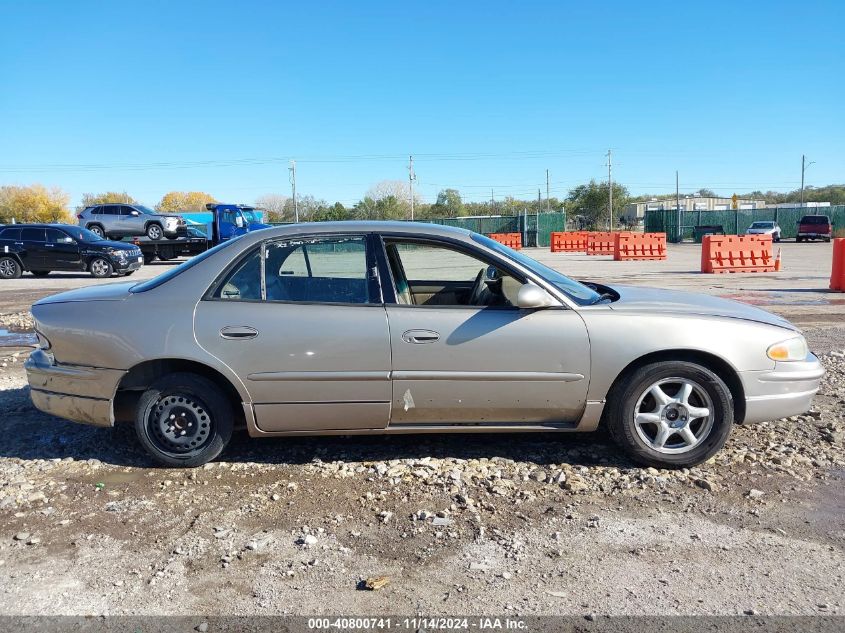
154	231
100	267
183	420
670	414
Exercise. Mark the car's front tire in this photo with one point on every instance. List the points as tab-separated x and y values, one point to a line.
183	420
10	268
100	268
671	414
154	231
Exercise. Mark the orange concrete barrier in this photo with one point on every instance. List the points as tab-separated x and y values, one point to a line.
569	241
600	243
737	254
512	240
639	246
837	274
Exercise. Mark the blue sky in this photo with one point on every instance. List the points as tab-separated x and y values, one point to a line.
150	97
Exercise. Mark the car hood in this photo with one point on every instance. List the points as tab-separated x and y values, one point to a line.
655	300
105	292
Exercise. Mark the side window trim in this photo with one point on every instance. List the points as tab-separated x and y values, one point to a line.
373	274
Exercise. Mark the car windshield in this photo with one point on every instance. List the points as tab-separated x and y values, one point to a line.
762	225
81	235
575	290
164	277
144	210
250	216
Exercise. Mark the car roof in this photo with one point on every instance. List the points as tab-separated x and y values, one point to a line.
36	225
368	226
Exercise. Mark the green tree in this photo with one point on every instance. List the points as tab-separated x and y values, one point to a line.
448	205
176	201
90	199
590	201
387	208
336	212
35	203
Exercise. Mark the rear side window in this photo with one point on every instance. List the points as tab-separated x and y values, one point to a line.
318	270
11	234
110	209
32	235
815	219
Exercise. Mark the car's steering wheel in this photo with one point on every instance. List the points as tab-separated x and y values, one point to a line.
477	288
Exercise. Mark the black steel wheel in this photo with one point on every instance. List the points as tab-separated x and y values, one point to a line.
183	420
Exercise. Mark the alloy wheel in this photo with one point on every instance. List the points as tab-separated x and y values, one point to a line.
674	415
8	268
100	267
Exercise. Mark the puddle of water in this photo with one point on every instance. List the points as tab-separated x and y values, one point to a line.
17	339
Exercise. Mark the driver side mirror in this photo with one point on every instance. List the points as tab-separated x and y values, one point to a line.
135	214
239	222
531	296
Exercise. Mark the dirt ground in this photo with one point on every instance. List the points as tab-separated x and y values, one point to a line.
505	524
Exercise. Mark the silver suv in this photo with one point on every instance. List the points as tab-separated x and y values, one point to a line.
129	220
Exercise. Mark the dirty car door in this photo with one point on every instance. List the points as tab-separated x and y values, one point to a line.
301	322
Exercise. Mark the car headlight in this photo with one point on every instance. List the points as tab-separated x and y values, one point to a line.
790	349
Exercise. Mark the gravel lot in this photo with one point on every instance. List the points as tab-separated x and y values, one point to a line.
520	525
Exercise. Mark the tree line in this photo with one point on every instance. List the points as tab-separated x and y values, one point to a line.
586	205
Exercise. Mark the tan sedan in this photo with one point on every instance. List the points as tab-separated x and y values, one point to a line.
343	328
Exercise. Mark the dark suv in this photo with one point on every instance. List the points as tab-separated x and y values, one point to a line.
43	248
814	227
131	220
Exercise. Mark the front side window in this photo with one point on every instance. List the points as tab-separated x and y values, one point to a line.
309	270
431	274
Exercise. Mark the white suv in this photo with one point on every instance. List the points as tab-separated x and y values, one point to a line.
129	220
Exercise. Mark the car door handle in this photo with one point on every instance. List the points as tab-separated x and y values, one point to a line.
420	336
238	332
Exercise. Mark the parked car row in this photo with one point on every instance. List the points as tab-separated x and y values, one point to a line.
810	227
42	248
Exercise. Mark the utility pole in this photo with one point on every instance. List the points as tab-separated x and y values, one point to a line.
548	203
492	201
411	178
678	205
292	170
609	191
804	165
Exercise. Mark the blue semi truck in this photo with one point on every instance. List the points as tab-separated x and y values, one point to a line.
227	222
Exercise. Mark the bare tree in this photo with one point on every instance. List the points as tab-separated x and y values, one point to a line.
275	205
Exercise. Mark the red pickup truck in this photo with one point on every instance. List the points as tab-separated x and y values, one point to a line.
814	227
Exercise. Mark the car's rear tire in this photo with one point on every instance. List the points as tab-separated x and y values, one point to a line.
183	420
656	413
154	231
97	230
100	268
40	273
10	268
